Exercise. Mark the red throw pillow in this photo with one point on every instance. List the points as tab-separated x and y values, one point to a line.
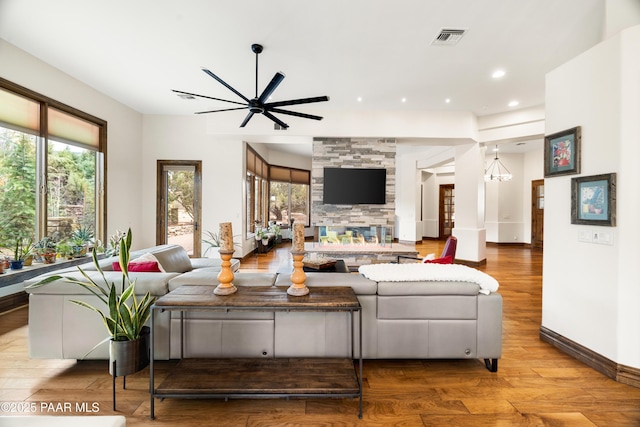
444	260
139	267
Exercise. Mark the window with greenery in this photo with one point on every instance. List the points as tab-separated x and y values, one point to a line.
275	193
17	187
289	195
51	176
257	190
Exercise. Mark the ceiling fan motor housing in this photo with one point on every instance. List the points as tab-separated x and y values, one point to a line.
255	106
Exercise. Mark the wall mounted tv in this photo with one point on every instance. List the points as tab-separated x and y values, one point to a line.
354	186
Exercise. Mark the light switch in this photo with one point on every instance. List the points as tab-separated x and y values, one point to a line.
585	236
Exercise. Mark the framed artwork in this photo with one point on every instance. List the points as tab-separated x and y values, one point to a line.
593	200
562	153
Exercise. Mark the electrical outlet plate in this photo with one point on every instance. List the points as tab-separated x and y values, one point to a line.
603	237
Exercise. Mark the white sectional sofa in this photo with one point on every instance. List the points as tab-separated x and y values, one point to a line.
444	318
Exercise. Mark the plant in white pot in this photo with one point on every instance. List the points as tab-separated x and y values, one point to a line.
214	241
123	314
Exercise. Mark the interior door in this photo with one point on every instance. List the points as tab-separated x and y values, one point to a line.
447	210
178	211
537	213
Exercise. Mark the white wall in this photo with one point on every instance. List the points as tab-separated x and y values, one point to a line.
124	148
590	291
504	210
533	169
185	138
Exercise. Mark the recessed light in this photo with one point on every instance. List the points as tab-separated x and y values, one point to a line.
448	100
514	104
404	100
498	74
359	99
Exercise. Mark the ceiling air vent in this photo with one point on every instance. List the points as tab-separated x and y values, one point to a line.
448	37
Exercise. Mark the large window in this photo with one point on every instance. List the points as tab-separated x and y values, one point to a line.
275	193
257	191
51	169
289	195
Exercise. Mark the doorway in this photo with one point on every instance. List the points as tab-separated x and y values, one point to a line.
537	213
446	216
178	210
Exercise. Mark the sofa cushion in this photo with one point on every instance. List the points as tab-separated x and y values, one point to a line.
173	258
209	276
213	262
428	288
360	284
154	283
432	307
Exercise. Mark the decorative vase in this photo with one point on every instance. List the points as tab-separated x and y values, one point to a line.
49	257
28	261
79	251
129	356
17	264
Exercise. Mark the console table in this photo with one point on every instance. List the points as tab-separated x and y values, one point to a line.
260	377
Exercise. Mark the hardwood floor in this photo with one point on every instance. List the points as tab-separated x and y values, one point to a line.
536	385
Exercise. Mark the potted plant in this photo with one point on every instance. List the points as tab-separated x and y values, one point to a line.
21	251
123	314
81	237
275	229
65	249
213	241
113	247
47	249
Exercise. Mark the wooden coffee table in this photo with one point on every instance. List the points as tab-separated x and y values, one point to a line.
333	266
260	377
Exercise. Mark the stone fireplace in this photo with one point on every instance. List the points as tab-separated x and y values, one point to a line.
353	153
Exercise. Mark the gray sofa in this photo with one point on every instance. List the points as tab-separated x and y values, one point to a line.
59	329
400	320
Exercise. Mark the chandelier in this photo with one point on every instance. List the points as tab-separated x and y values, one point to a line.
496	171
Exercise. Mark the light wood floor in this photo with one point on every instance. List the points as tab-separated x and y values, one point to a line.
536	385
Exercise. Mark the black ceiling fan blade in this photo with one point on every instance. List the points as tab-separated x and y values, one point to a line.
295	113
208	97
273	84
223	83
297	101
217	111
275	119
246	119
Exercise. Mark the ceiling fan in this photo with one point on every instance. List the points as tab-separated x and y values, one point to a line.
258	104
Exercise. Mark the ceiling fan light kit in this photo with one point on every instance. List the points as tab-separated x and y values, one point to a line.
257	105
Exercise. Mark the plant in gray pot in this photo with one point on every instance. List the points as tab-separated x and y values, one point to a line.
123	314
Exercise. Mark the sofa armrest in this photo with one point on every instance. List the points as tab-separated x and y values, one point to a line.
490	326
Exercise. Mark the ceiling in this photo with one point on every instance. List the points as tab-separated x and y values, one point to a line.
380	51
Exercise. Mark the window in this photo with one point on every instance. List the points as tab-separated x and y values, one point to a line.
275	193
289	195
257	190
51	168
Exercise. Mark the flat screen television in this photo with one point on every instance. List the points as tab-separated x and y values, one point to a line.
354	186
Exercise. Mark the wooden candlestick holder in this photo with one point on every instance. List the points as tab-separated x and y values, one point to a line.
298	278
225	276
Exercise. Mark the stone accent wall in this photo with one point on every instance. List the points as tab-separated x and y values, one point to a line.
353	153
